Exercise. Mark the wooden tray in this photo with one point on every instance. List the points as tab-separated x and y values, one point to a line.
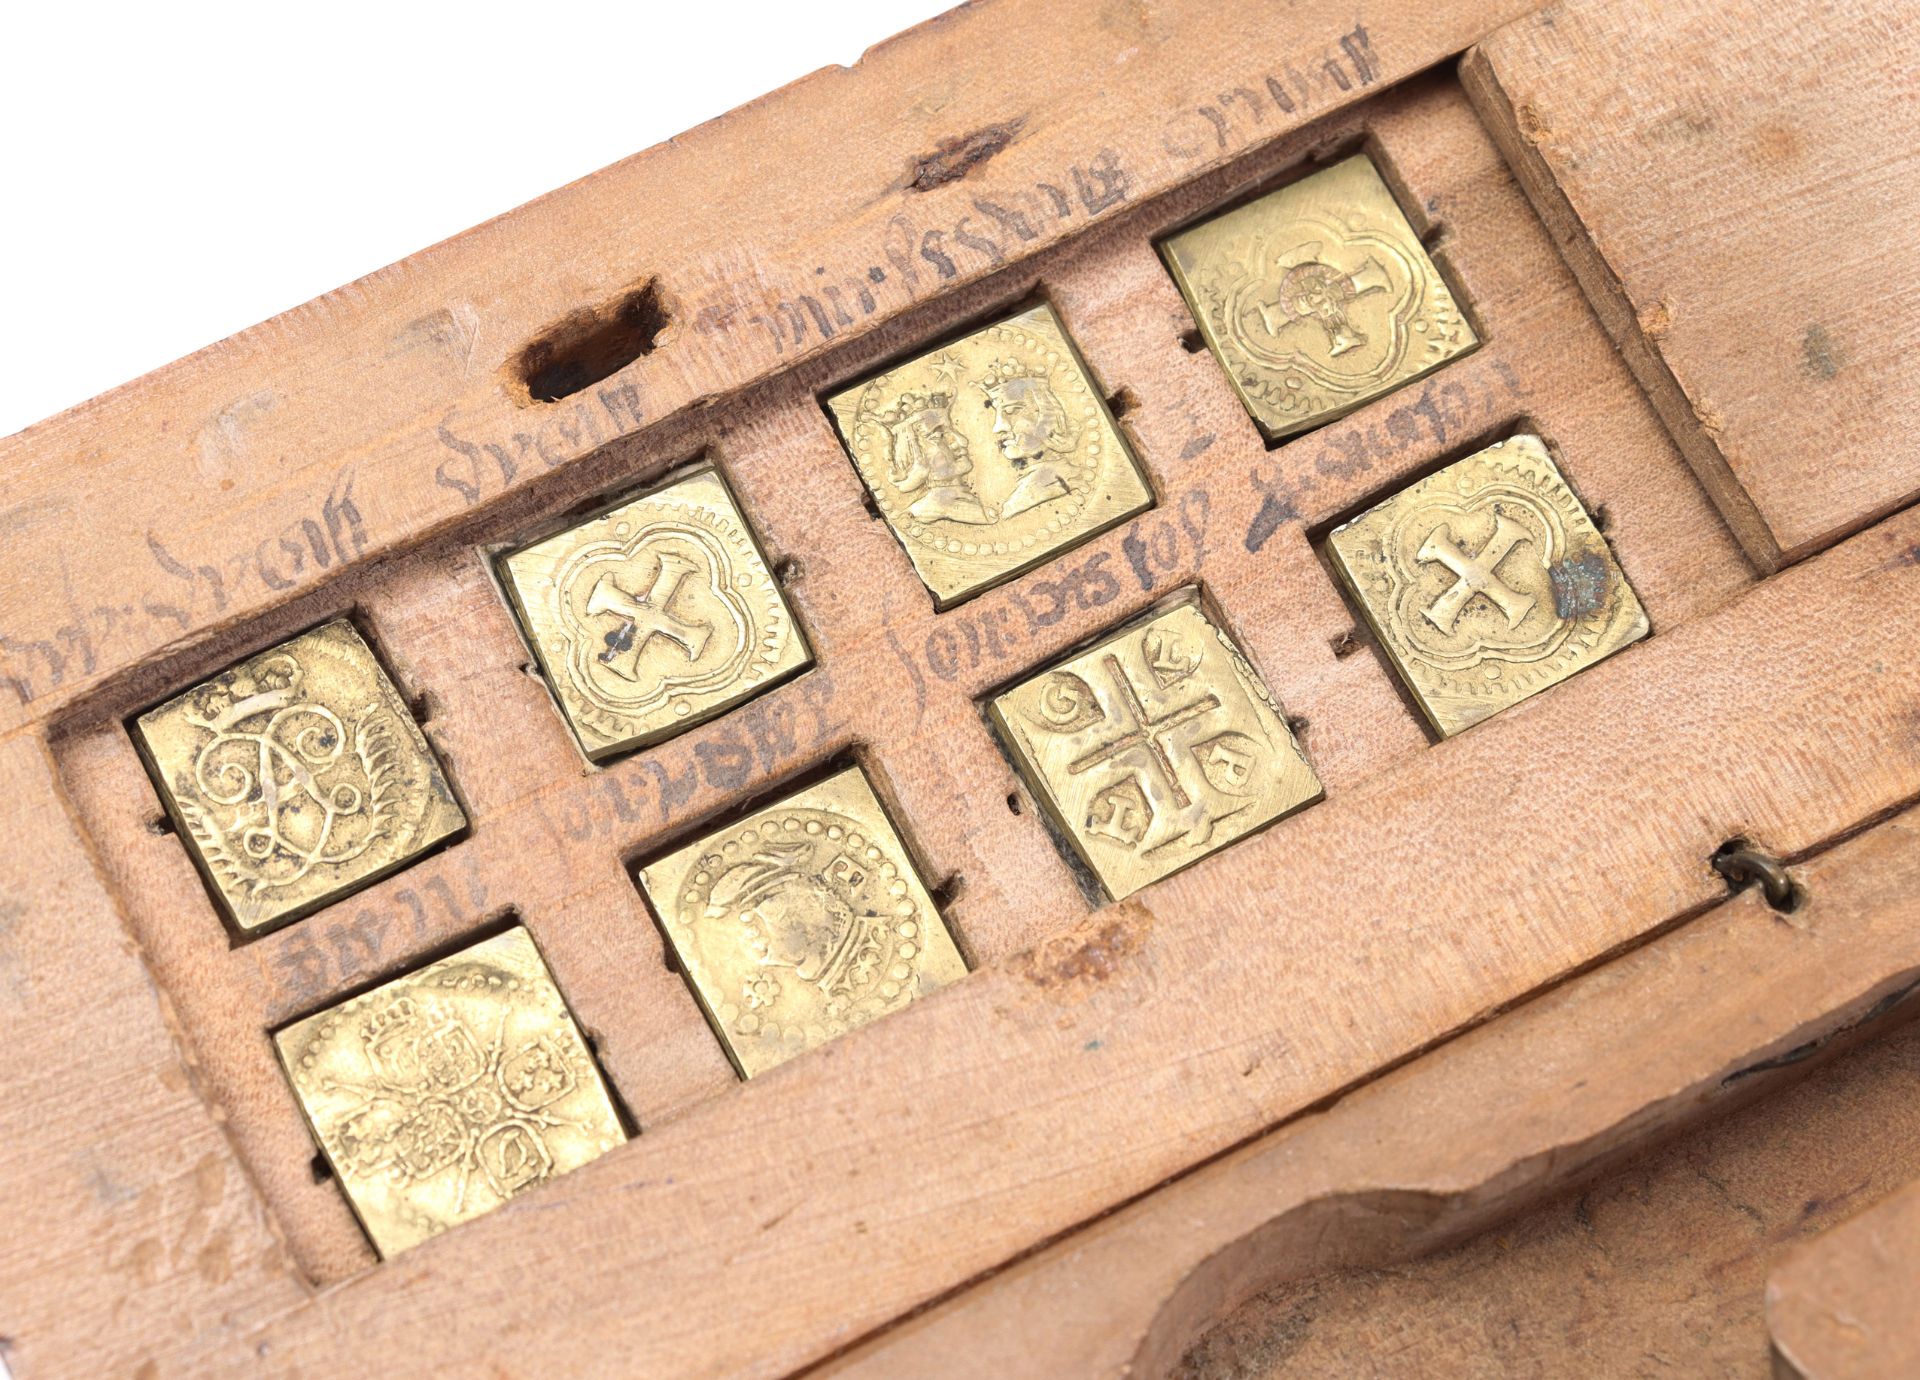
1487	967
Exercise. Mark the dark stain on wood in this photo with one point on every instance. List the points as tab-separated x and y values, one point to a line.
594	344
953	159
1817	354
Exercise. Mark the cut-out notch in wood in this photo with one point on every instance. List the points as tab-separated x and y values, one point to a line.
593	344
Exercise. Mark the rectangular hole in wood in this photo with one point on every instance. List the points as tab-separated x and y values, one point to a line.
590	345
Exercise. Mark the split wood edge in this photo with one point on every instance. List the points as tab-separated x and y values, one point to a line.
1508	127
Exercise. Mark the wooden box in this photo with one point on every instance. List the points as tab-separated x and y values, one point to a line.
1478	974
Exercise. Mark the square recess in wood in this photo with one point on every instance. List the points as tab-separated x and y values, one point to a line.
655	615
443	1093
1317	297
801	921
1154	747
990	454
1487	582
297	777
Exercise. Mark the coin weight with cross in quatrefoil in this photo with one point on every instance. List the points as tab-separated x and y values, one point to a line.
655	615
1487	582
1317	297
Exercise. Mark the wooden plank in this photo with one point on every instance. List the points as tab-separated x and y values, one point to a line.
285	462
1734	190
1460	1140
1841	1308
801	1201
359	454
135	1236
310	396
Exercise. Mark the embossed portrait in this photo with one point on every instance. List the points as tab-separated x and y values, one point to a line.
1035	435
801	922
928	459
990	454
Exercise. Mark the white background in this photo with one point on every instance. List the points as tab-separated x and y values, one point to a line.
173	173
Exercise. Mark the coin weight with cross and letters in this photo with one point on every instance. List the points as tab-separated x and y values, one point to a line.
1487	582
1154	747
654	616
1317	297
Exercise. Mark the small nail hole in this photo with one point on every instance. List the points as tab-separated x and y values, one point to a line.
1122	402
949	891
1602	518
1298	725
160	824
873	509
1346	644
322	1171
1193	342
1013	802
788	570
422	706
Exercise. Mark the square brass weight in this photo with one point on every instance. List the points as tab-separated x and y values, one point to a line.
654	616
990	454
296	777
1317	297
1486	583
441	1094
800	922
1154	747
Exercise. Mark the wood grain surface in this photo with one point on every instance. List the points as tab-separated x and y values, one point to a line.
897	685
1735	193
1180	1000
253	489
1842	1306
1694	1022
271	463
1658	1266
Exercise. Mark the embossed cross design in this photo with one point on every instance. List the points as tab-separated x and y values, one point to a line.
1478	574
1145	733
647	616
1318	292
438	1100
